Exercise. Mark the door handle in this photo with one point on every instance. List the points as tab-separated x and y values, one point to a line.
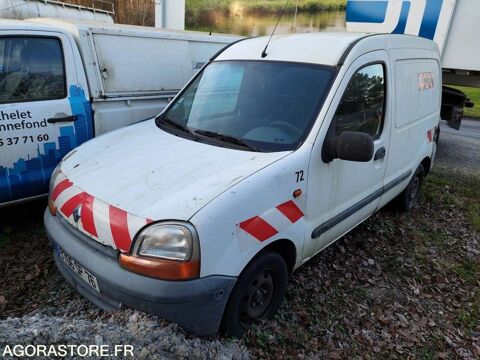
380	154
62	119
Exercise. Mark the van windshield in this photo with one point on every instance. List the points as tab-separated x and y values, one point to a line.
257	105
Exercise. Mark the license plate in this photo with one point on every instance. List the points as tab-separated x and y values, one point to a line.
79	270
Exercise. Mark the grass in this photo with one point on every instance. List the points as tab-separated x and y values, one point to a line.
462	192
474	95
196	9
469	271
469	317
340	306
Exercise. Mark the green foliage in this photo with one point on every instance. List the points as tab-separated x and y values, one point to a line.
474	95
197	9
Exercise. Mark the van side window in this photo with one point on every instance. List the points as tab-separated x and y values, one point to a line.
31	69
362	105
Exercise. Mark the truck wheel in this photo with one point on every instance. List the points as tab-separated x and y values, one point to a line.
411	195
258	294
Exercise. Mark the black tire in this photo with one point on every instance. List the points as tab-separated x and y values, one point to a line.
410	197
258	294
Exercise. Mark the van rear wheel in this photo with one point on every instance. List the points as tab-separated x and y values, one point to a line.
410	197
258	294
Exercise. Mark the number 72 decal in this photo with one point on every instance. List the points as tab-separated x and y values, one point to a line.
300	175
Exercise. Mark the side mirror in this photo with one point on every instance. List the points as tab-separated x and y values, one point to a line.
351	146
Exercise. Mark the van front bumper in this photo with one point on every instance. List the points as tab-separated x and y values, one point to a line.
196	305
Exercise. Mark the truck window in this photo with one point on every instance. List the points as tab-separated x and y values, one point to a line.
31	69
362	106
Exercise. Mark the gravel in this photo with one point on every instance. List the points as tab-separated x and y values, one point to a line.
149	336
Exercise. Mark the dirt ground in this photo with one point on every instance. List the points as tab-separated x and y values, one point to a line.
399	286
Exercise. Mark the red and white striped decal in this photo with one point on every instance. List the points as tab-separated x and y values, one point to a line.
273	221
104	223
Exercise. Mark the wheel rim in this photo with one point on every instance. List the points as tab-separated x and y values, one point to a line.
258	297
415	189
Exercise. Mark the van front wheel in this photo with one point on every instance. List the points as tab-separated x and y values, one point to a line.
410	197
258	294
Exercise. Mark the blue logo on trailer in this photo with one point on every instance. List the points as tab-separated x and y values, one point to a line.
30	177
375	12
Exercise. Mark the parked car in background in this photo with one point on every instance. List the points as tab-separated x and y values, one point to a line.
63	82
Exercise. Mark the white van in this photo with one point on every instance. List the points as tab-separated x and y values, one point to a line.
262	161
63	82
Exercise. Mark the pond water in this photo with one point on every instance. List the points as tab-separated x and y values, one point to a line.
247	24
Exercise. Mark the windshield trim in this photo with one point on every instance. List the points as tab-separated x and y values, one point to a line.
215	142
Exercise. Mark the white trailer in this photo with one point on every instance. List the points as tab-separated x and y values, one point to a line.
452	24
63	82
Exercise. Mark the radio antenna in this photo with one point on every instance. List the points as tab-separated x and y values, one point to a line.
264	52
212	16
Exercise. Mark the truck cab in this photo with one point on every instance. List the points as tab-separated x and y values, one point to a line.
264	159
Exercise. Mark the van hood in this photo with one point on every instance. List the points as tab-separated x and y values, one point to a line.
153	174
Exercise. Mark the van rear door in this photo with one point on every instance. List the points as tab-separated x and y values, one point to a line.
44	113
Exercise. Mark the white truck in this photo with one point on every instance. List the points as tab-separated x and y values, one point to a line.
452	24
63	82
264	159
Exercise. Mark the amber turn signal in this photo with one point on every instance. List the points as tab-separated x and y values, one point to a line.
297	193
52	207
161	268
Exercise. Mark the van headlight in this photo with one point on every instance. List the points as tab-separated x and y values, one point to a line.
165	241
165	250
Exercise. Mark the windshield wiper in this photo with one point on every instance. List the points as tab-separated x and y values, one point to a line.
226	138
184	128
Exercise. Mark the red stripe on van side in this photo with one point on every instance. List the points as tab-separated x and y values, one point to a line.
88	222
119	227
61	187
72	203
258	228
291	211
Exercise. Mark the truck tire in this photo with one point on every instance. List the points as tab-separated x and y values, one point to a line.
258	294
410	197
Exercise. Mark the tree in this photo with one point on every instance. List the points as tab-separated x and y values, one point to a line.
133	12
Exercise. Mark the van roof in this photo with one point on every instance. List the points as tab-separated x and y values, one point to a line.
319	48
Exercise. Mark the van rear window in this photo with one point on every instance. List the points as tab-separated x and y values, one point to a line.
31	69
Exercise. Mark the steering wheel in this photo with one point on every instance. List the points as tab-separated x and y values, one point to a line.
287	127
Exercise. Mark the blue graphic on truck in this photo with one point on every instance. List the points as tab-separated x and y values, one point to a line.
375	12
30	176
